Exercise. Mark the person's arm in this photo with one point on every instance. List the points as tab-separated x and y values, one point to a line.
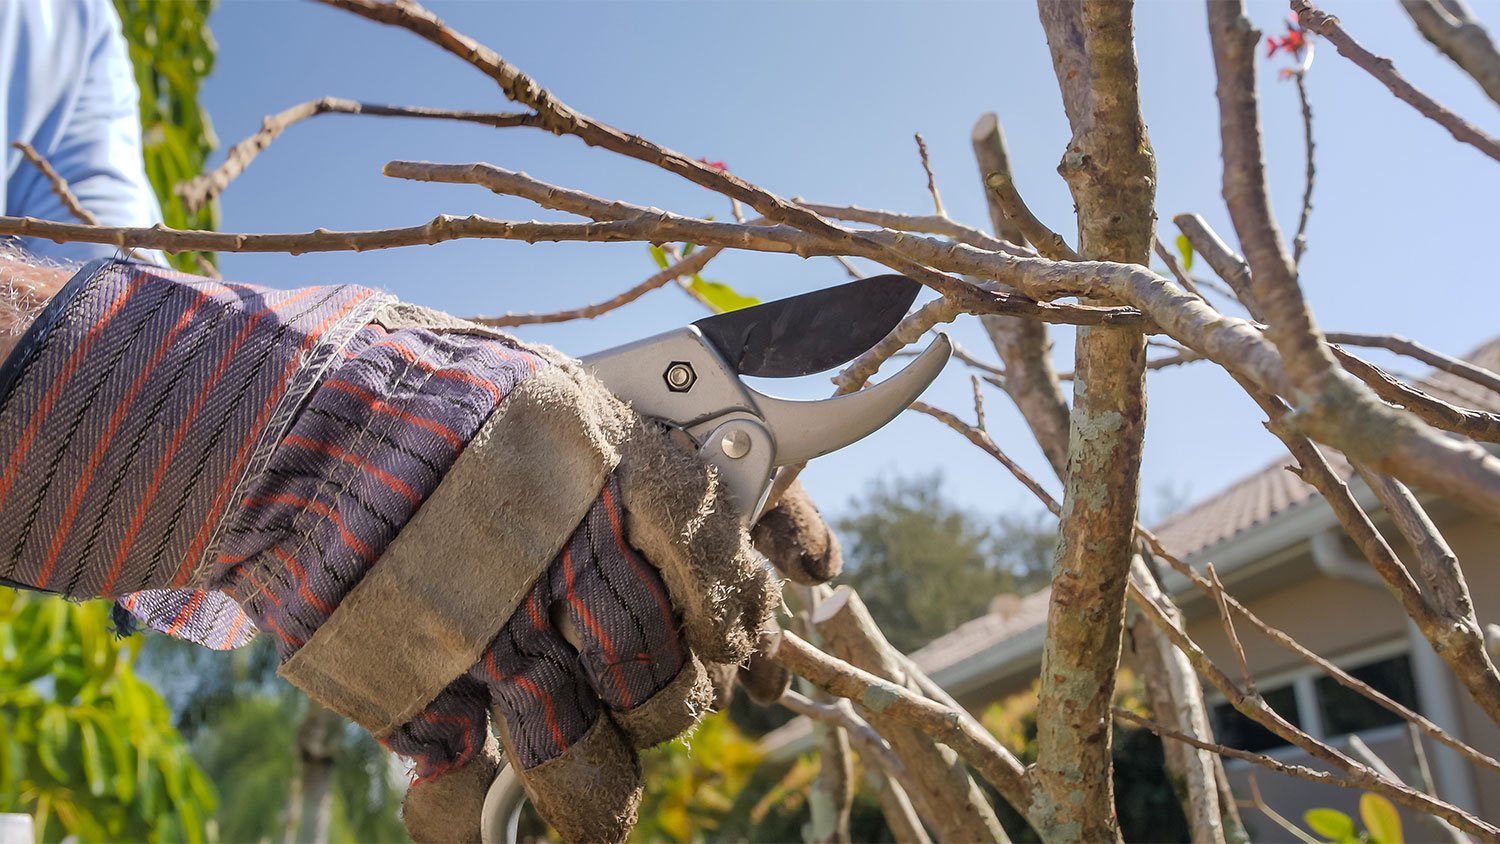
26	285
416	509
79	107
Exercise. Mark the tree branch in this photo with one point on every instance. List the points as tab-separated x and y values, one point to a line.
976	747
1357	774
58	183
685	267
1384	71
201	190
1451	27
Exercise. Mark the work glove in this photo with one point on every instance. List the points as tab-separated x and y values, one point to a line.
430	519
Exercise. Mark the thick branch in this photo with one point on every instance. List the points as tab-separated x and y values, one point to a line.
199	191
1384	71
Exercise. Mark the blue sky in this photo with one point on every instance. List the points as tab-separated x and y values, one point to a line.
820	100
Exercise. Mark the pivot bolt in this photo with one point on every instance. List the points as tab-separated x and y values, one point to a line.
735	444
680	376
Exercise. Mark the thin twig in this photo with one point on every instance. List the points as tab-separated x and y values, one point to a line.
687	266
58	183
1384	71
982	439
937	199
1234	639
1259	802
1172	266
1299	241
978	403
924	224
1204	585
1437	360
200	191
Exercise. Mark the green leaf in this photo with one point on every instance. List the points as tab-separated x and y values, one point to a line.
51	740
1330	823
720	296
687	249
659	255
93	760
1381	820
1185	247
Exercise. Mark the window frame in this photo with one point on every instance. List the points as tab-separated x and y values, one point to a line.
1303	681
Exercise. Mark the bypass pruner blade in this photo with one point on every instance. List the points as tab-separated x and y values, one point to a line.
690	378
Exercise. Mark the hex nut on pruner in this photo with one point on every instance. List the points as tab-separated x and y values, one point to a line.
680	376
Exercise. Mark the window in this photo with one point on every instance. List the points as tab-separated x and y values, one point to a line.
1233	729
1321	706
1347	711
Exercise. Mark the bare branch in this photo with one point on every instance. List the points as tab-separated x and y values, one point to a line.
1357	774
1384	71
58	183
1024	346
1437	360
1452	28
685	267
929	224
1170	260
1217	254
979	749
201	190
1048	242
981	438
943	792
1476	424
1299	240
557	117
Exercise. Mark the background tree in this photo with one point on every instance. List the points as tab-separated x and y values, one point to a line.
925	566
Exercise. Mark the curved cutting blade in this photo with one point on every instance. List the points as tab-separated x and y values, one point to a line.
812	332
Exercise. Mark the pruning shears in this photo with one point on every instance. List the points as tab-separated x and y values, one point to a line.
690	379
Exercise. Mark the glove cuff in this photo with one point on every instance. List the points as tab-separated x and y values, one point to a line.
512	499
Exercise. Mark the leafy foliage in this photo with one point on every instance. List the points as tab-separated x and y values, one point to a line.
924	566
172	51
86	746
717	295
1379	815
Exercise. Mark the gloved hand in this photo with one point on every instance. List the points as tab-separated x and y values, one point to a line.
423	513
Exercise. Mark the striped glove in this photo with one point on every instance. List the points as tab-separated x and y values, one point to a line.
432	520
